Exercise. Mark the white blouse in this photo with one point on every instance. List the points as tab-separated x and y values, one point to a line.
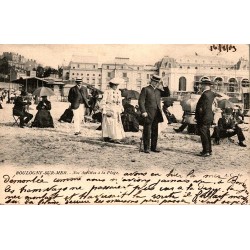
112	100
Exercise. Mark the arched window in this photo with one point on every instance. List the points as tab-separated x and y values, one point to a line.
245	82
163	74
169	65
182	84
232	85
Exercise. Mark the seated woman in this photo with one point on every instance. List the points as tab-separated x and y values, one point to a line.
43	118
129	119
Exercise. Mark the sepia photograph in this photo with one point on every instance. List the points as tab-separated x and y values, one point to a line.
132	116
125	124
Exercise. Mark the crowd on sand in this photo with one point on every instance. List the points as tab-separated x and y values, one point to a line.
117	115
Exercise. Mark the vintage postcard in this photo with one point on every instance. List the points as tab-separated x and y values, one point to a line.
124	124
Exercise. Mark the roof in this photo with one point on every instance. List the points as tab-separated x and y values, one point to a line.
22	79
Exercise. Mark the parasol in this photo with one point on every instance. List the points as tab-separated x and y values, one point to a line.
132	94
223	104
43	91
233	99
222	96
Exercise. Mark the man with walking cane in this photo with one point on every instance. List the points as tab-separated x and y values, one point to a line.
150	107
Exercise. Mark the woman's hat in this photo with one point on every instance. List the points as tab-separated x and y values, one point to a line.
23	93
228	111
116	81
155	78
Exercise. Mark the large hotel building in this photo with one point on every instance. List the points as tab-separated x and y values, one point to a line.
180	74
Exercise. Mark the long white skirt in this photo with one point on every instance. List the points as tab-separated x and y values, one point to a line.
112	127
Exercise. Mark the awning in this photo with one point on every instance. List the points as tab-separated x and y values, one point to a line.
23	80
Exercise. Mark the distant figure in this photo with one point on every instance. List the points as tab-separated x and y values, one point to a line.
78	98
111	105
204	116
19	109
150	107
228	127
43	118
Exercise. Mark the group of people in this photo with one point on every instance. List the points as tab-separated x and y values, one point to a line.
118	117
43	118
204	116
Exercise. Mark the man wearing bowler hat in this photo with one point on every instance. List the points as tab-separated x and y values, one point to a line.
204	116
78	99
150	107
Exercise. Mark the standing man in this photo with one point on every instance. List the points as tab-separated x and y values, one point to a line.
150	107
79	102
204	116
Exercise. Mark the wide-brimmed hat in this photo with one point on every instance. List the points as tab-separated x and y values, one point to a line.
116	81
155	78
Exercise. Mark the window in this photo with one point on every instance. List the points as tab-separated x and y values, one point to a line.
77	74
107	67
182	84
163	74
138	68
147	76
99	74
73	74
124	74
87	79
93	66
196	67
78	66
99	81
109	74
93	74
82	74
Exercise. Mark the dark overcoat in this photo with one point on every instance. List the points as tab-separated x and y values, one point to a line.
204	113
77	96
150	102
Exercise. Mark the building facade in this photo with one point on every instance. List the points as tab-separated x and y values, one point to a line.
181	75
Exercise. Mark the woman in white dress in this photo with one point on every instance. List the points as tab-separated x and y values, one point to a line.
111	105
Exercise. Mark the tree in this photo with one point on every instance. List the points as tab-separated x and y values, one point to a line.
47	71
4	66
40	71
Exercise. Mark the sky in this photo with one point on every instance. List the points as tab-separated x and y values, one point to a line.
58	54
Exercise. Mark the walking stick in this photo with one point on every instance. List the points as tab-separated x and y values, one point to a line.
141	142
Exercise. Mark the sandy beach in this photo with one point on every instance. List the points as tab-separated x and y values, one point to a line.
49	147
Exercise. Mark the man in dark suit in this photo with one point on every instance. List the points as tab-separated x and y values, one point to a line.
150	107
78	99
204	116
19	109
228	127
